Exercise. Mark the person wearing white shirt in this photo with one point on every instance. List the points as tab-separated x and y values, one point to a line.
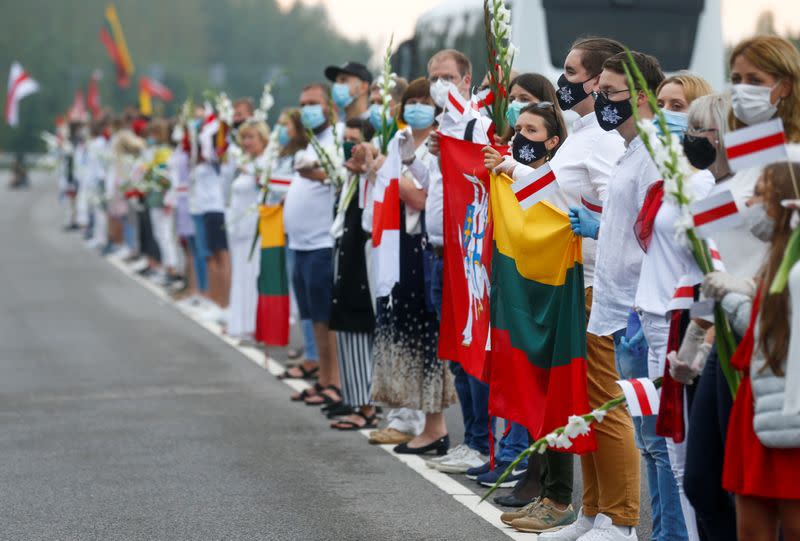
617	269
308	217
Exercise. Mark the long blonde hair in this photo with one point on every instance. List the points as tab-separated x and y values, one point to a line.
779	58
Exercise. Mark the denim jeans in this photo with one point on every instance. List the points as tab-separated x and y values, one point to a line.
512	444
473	395
668	522
306	325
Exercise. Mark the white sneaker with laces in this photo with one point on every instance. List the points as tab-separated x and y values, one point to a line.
460	464
605	530
456	451
573	532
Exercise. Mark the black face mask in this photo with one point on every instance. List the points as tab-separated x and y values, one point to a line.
570	94
526	151
347	146
610	114
699	151
237	124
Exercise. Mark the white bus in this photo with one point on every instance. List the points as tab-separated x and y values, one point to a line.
682	34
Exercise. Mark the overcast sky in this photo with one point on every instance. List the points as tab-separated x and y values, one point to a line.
376	20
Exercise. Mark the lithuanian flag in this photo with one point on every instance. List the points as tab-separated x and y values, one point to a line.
537	364
272	316
114	41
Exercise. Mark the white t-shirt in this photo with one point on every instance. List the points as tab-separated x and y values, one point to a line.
308	208
666	261
619	256
742	253
243	209
207	190
582	166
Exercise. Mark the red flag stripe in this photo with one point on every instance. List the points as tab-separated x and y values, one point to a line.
454	101
684	291
641	396
756	145
280	181
715	255
592	206
716	213
13	90
534	187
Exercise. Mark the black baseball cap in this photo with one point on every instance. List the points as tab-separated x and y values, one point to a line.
350	68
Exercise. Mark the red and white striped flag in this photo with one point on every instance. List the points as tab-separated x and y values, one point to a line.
386	223
756	145
715	213
93	94
483	99
457	105
20	85
716	258
641	395
538	185
683	298
592	204
155	89
279	185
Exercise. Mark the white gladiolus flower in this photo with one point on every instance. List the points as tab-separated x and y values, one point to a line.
563	441
541	449
576	426
683	224
599	415
551	439
224	109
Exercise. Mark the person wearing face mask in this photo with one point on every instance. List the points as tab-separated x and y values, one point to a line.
307	218
763	443
350	91
617	269
523	90
674	96
765	77
407	372
375	110
711	404
665	263
583	165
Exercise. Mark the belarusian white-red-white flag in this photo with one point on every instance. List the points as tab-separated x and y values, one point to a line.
77	111
93	94
538	185
715	213
20	85
683	298
641	395
756	145
386	223
592	204
716	257
155	89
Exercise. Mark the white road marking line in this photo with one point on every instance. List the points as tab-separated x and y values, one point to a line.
444	482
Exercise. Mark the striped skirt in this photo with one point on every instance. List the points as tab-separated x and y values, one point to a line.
355	366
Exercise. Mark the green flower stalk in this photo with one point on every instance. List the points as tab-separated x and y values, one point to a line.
500	57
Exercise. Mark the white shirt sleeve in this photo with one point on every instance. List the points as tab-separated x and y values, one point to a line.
601	161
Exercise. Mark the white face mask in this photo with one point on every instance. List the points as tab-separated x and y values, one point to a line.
761	225
439	91
752	104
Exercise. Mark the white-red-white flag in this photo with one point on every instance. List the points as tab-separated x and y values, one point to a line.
716	257
641	395
481	101
386	222
535	187
715	213
457	105
155	89
756	145
592	204
93	94
20	85
683	298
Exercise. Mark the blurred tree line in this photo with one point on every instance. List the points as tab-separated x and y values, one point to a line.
189	45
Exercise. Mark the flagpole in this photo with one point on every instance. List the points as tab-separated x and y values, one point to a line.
794	179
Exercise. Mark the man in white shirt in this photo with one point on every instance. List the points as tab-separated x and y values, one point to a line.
307	218
617	269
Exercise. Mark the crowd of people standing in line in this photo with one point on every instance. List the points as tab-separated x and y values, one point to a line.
173	199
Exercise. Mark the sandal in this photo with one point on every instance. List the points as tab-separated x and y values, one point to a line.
307	393
304	372
325	399
337	409
370	421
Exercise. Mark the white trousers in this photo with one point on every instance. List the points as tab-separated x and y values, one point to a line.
161	223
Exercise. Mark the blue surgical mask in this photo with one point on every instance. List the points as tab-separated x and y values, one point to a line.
341	95
283	135
376	116
677	123
419	115
512	113
312	116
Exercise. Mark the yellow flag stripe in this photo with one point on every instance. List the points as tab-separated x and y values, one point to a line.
119	38
539	240
270	226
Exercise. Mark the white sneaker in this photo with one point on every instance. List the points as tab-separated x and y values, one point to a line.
460	464
456	451
210	313
604	530
139	265
582	525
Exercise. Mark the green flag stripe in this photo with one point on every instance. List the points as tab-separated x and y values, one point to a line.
539	318
273	279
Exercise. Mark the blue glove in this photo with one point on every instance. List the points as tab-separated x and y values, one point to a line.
634	341
583	222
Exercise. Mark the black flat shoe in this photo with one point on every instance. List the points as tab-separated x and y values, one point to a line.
510	500
439	447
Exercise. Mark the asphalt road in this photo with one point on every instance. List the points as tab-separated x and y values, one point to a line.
122	419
